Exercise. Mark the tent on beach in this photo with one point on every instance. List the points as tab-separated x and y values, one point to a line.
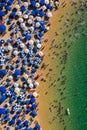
3	73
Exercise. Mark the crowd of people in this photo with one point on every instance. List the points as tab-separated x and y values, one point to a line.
20	57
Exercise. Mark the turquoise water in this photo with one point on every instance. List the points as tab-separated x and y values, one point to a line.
76	84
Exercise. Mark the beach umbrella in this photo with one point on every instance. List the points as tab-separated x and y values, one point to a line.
10	2
25	4
31	85
21	20
2	99
2	89
37	5
9	47
17	72
31	28
3	4
23	8
40	53
17	6
31	17
26	51
37	41
16	84
2	72
33	3
31	42
27	37
10	77
19	13
35	94
43	7
32	100
2	111
2	41
17	90
46	1
25	76
30	128
15	52
29	81
30	21
2	13
34	114
8	8
22	45
2	28
37	24
42	13
12	122
26	123
47	28
49	14
13	14
22	25
37	127
25	16
38	45
38	19
19	121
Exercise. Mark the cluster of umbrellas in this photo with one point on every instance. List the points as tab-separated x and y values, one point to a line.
21	57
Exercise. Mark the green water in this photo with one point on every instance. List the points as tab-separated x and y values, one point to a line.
76	84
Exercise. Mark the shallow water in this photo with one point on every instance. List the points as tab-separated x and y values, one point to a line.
76	84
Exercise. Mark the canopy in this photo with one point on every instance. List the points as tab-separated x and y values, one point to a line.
2	28
37	127
34	113
2	73
3	98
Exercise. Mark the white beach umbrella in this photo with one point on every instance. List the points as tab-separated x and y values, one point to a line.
43	7
38	45
25	76
38	19
31	16
29	81
37	41
46	1
26	51
25	106
40	53
22	45
17	90
47	28
17	6
22	25
19	13
37	5
37	84
25	4
31	28
35	94
31	42
20	20
49	14
25	16
16	84
37	24
15	52
30	21
10	77
31	85
9	48
25	85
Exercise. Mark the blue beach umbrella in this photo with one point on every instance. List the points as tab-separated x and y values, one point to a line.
10	2
23	8
2	13
2	41
13	14
42	2
37	127
30	128
32	100
28	110
8	8
33	3
41	13
2	89
27	37
12	122
19	121
3	4
34	106
2	28
26	123
8	128
34	113
26	129
17	72
2	111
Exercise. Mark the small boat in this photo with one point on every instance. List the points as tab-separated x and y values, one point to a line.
68	111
